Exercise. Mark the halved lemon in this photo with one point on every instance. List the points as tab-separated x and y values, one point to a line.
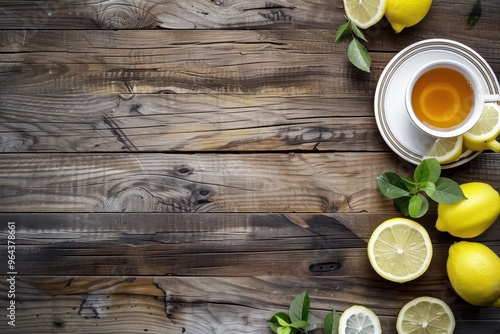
445	150
359	320
365	13
400	250
482	135
425	315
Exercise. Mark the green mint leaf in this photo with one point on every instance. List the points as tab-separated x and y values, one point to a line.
299	324
418	206
331	323
280	319
392	185
343	32
357	31
474	15
299	308
412	186
414	205
427	171
284	330
403	204
358	55
447	191
428	187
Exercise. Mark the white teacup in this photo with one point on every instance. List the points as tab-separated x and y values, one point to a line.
445	98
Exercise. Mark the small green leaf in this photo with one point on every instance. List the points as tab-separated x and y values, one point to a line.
357	31
358	55
418	206
299	324
427	171
331	323
414	205
299	308
403	203
280	319
447	191
392	185
474	15
428	187
343	32
412	186
284	330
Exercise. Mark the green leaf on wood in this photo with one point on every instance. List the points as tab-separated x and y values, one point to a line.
343	32
358	55
447	191
299	308
357	31
331	323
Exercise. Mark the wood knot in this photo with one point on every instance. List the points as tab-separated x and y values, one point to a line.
126	16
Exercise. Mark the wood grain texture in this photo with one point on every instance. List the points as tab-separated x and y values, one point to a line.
445	15
224	245
105	261
250	62
289	62
326	182
201	305
187	122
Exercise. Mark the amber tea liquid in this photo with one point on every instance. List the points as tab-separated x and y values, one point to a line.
442	98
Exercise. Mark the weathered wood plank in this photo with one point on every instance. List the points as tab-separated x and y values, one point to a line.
291	62
304	245
187	122
200	305
170	14
252	62
326	182
222	14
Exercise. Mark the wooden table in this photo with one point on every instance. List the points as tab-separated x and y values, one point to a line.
180	166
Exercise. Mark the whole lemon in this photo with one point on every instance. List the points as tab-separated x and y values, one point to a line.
474	273
406	13
470	217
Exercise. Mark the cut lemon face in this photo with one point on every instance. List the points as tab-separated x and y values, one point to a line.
400	250
446	150
425	315
482	135
359	320
365	13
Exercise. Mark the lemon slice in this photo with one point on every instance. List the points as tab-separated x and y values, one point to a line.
482	135
365	13
425	315
400	250
359	320
446	150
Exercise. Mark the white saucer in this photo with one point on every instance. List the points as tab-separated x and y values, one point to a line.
393	121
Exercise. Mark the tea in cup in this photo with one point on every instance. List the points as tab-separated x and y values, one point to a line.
445	98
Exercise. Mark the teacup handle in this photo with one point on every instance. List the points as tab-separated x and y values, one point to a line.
492	98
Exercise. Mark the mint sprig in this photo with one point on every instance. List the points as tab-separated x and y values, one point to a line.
408	193
356	52
300	320
297	320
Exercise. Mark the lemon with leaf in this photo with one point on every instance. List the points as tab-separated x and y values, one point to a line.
470	217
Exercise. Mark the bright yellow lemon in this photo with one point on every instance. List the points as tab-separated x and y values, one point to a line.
474	273
470	217
406	13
